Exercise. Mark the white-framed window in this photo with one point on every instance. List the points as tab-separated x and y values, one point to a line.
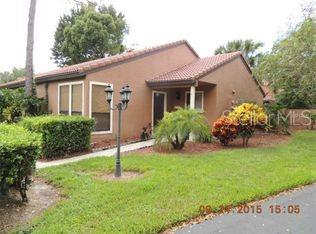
71	98
99	108
199	100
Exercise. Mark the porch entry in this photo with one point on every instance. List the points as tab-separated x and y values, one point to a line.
159	106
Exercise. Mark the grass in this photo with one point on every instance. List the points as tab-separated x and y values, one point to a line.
172	187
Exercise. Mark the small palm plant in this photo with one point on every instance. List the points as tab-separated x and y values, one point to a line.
175	128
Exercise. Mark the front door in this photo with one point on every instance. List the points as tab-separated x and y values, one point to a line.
159	106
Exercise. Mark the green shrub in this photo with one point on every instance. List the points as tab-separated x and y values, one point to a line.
312	116
14	104
225	130
174	129
248	116
61	135
19	150
276	117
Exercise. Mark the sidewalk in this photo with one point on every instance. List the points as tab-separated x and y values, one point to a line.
103	153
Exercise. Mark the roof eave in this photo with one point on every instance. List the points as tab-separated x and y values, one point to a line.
46	79
66	76
169	83
12	86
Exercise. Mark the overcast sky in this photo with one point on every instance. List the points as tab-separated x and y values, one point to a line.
206	24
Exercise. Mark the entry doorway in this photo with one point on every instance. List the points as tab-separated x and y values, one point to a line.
159	103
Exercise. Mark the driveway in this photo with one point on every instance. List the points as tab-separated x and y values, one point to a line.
266	222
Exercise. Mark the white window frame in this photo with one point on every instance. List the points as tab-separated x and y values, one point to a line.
186	97
90	106
70	84
152	105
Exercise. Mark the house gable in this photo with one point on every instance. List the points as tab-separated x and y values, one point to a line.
234	83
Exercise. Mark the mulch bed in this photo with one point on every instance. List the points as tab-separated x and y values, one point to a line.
14	213
258	140
111	143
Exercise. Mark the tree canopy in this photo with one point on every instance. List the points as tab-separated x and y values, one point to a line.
290	67
7	76
249	48
89	32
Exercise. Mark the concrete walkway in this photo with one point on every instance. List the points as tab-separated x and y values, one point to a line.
103	153
266	222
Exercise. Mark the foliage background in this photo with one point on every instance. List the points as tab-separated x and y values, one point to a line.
249	48
14	104
290	67
89	32
7	76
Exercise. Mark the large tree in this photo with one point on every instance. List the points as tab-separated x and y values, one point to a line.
7	76
290	67
29	50
249	48
89	31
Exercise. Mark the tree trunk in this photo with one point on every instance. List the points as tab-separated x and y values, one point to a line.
29	50
3	186
22	183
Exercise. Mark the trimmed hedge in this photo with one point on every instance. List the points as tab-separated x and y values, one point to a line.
61	135
19	150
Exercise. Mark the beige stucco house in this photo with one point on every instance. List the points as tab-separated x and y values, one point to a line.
161	78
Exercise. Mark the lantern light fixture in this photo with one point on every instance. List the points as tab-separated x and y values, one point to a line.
108	93
122	105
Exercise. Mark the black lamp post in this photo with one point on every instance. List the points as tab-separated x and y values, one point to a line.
122	105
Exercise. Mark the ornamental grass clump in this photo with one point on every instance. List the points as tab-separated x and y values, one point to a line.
248	116
225	130
175	128
19	150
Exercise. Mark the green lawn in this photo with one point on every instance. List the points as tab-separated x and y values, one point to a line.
172	187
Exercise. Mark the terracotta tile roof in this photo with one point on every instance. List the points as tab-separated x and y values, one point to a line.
268	94
196	69
98	63
90	65
17	81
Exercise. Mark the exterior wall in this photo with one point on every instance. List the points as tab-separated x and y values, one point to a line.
40	91
135	73
232	76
